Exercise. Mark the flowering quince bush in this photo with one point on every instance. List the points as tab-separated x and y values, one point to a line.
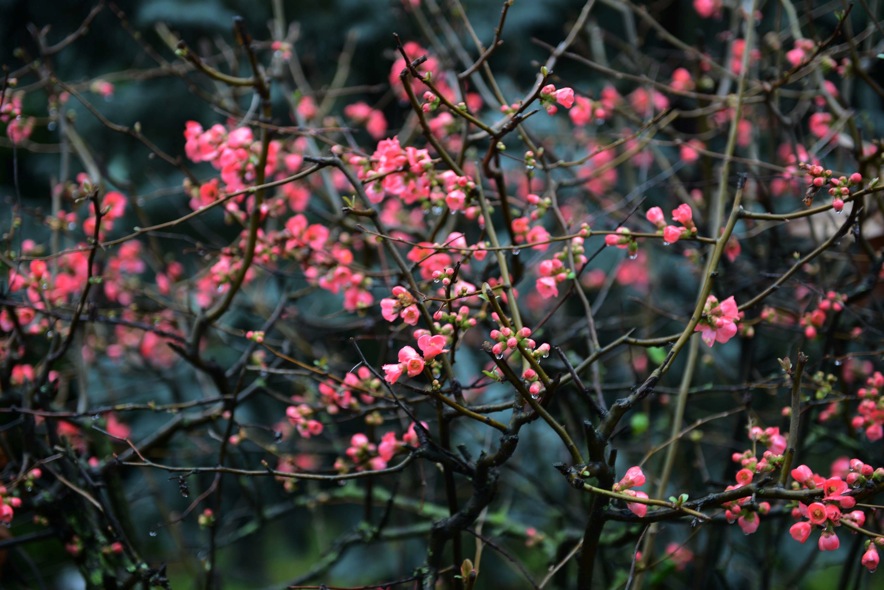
453	314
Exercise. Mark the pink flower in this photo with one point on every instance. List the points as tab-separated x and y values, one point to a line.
582	112
816	513
718	322
744	476
800	531
392	373
622	239
749	523
819	124
655	216
636	508
829	541
681	80
707	8
683	215
870	558
565	97
672	234
455	200
547	288
431	345
634	477
411	360
19	129
834	489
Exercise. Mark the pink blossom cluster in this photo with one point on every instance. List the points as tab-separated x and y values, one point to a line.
361	386
102	88
585	110
599	173
624	240
525	232
633	478
411	362
672	233
409	175
827	514
363	454
8	504
300	417
646	102
550	96
48	287
553	271
719	320
18	128
401	305
436	260
839	187
508	340
135	346
746	513
801	52
233	152
870	412
813	320
682	80
373	119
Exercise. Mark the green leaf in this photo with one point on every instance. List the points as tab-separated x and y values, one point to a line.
657	354
639	423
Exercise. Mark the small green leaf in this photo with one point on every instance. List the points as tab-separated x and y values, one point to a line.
657	354
491	375
639	423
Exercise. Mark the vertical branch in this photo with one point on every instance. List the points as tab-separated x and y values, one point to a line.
794	418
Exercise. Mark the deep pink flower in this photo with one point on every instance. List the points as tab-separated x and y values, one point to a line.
634	477
802	473
816	513
829	541
870	558
800	531
744	476
636	508
707	8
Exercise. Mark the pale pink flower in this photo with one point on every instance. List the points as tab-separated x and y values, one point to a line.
672	233
655	216
683	215
412	362
565	97
718	322
431	345
636	508
749	523
392	372
547	287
